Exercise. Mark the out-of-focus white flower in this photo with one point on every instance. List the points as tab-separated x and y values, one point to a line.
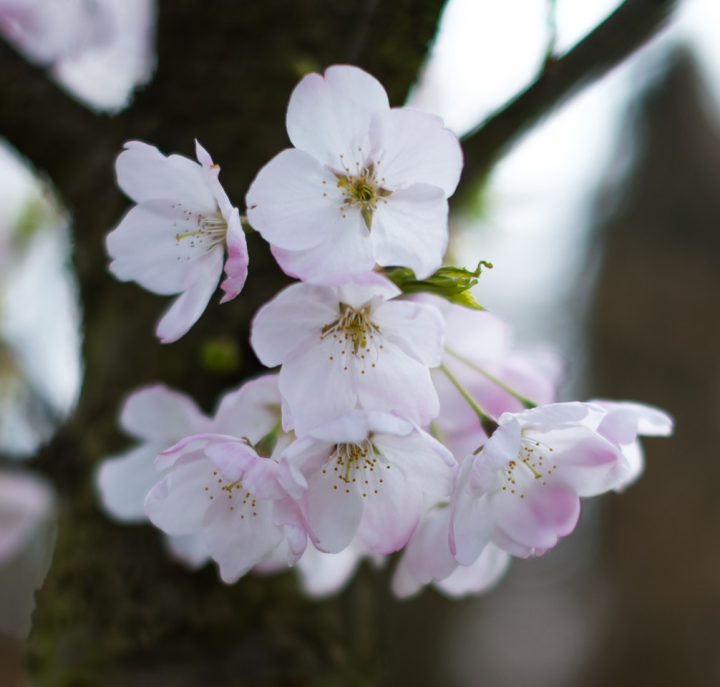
364	184
159	417
174	239
27	541
365	474
427	559
349	346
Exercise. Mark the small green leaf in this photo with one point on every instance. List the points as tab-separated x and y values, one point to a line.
450	283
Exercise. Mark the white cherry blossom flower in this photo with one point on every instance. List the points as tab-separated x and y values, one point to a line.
427	560
364	183
349	346
522	490
624	423
174	240
365	474
159	417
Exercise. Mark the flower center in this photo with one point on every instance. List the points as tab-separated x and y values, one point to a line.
362	190
356	466
235	496
354	332
532	463
208	230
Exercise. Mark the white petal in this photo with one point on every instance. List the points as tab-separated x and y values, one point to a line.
291	321
162	415
236	265
146	249
189	549
329	117
333	509
294	202
187	308
250	411
415	149
238	543
417	328
410	228
479	577
347	250
425	462
125	481
178	503
397	383
317	387
392	514
144	173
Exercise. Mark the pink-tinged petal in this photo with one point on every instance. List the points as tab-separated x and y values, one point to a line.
472	521
236	265
585	461
397	383
540	518
194	443
287	514
291	322
390	515
427	557
238	543
511	547
323	574
189	549
187	308
237	461
347	249
633	468
619	426
333	509
146	247
501	447
415	149
178	503
356	290
417	328
557	414
162	416
651	421
410	228
294	202
329	117
123	483
349	428
203	157
250	411
144	173
479	577
425	462
317	386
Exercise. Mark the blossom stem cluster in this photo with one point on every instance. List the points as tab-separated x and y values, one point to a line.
338	457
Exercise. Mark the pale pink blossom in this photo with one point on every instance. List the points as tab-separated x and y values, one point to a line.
174	240
522	490
349	346
364	183
27	542
624	423
365	474
158	417
427	560
480	342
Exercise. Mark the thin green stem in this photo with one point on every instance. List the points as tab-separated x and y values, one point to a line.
488	423
527	403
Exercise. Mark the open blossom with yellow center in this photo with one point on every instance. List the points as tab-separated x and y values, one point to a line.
349	346
522	490
364	184
365	474
175	239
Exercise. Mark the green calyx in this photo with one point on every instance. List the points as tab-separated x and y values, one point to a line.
451	283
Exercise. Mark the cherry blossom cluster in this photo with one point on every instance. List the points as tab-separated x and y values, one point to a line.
401	419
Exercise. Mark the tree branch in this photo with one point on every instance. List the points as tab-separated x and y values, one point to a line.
623	32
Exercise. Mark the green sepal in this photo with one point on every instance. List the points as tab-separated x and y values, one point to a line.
451	283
